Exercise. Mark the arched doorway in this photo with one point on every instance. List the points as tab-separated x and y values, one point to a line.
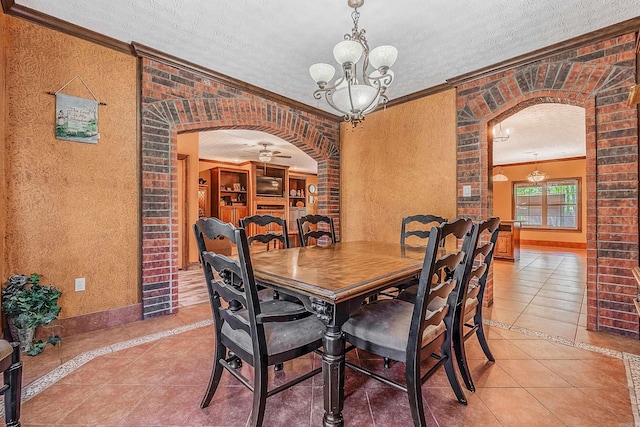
185	100
598	83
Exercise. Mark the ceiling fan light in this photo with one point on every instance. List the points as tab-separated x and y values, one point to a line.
264	157
500	177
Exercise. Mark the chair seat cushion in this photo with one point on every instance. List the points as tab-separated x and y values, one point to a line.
382	328
280	337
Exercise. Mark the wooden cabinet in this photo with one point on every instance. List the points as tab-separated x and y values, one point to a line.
508	243
204	203
230	194
233	214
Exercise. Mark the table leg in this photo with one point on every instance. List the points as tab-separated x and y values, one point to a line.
333	376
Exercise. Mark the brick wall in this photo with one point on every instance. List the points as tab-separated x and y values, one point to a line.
596	77
177	99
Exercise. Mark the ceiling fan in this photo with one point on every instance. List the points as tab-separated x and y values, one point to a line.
265	155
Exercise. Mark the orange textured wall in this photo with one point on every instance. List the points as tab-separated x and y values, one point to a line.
503	197
3	185
72	208
401	162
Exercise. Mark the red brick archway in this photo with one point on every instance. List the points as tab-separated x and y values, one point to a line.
176	100
596	77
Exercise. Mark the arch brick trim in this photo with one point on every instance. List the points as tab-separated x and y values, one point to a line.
596	77
175	100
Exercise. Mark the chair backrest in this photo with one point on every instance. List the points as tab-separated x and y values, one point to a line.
477	269
237	286
439	280
306	233
424	222
269	236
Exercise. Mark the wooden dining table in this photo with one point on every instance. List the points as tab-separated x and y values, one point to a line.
332	281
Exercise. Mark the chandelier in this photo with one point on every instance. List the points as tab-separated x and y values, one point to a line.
500	136
351	94
536	175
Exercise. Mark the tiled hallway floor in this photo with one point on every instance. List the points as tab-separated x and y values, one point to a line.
154	372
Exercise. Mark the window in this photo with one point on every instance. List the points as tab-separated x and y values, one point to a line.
552	204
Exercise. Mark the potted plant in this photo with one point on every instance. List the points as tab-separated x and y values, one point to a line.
27	305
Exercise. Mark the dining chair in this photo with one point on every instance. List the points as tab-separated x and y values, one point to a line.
418	226
261	333
412	332
269	236
305	232
414	232
468	318
11	366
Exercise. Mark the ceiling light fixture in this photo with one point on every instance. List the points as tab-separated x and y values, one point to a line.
353	95
500	136
500	177
536	175
264	155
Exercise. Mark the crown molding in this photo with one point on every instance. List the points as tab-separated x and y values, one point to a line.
629	26
565	159
143	51
18	11
420	94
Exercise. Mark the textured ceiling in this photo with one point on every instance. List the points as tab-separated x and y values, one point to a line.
272	43
554	131
239	146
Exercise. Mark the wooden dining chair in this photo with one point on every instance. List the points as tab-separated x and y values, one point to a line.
269	236
412	332
11	366
261	333
415	228
415	233
468	319
305	232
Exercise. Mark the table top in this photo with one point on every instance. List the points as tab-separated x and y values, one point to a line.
340	271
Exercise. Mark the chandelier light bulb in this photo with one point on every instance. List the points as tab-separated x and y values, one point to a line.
321	72
347	51
383	56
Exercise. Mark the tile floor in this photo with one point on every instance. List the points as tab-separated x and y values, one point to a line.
154	372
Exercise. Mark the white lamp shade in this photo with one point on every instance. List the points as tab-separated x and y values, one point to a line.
383	56
347	51
362	97
500	177
264	157
322	72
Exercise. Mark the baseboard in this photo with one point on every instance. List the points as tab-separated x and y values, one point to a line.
573	245
91	322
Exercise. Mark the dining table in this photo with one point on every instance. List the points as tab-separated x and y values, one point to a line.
333	281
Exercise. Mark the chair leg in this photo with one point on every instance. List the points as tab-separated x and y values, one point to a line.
481	337
450	371
259	395
461	358
414	391
216	374
12	397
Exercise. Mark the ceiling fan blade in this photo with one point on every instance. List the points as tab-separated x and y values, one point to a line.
283	157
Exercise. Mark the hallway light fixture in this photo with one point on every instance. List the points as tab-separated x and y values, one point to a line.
536	175
350	94
499	135
500	177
